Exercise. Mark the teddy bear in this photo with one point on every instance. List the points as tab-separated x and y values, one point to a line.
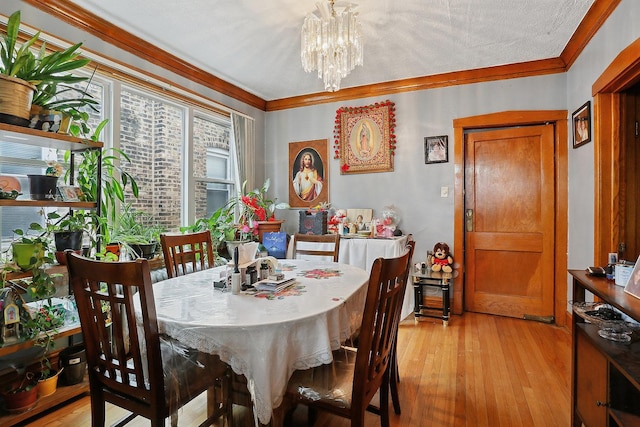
441	259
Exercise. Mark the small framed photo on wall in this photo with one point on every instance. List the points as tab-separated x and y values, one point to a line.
581	119
436	149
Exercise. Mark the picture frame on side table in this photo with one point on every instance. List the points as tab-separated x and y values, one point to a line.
581	119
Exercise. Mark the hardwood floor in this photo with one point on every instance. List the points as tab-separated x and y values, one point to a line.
480	370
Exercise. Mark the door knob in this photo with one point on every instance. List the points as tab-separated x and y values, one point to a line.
468	220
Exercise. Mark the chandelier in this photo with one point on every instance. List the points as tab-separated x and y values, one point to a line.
331	42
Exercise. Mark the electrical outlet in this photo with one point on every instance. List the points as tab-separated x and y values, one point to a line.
444	191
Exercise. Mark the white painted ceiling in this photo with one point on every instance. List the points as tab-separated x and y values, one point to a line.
255	44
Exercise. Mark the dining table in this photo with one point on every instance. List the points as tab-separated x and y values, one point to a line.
266	336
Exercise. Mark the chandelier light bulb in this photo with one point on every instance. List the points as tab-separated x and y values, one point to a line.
331	42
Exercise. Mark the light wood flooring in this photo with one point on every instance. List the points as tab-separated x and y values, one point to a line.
481	370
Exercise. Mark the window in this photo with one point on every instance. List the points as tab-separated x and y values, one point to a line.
213	169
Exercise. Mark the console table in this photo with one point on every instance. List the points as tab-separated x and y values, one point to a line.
605	375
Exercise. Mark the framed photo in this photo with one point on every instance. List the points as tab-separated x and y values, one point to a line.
633	285
69	193
365	140
581	119
436	149
308	173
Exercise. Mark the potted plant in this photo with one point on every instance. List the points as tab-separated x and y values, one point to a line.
43	187
56	107
68	231
30	251
115	181
21	70
137	233
257	212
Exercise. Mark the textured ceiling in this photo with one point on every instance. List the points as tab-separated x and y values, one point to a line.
255	44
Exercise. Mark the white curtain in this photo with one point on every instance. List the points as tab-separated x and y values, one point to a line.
244	140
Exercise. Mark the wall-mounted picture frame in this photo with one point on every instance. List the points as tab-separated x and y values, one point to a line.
69	193
581	119
308	173
436	149
364	138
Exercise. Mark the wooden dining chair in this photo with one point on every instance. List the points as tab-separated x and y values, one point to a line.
130	365
185	253
394	375
333	239
346	386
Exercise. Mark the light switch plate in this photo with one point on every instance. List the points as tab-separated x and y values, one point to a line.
444	191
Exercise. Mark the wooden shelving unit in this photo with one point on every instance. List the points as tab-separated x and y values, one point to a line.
38	138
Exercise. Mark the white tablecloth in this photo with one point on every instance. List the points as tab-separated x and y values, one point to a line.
362	252
266	339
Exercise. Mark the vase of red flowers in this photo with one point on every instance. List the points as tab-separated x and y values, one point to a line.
257	212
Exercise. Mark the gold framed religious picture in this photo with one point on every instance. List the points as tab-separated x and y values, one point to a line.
364	138
308	173
582	125
436	149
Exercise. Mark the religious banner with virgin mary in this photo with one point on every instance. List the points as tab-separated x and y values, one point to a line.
364	138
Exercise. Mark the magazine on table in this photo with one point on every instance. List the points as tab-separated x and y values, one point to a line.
274	285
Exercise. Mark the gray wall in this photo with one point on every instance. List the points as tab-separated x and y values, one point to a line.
413	187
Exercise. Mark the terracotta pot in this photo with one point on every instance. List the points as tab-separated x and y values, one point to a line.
268	227
23	400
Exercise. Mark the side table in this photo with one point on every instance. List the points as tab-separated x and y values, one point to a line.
439	280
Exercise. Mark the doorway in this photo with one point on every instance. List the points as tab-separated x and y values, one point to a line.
554	265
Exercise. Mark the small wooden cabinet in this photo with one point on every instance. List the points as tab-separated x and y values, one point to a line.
605	374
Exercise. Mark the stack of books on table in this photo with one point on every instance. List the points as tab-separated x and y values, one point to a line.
274	285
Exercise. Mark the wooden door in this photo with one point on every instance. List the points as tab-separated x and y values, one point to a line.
509	221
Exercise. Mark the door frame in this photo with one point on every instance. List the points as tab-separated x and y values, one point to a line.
620	75
510	119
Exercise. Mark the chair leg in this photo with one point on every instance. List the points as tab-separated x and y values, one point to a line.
394	380
384	400
97	410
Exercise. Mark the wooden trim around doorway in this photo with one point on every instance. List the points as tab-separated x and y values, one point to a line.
507	119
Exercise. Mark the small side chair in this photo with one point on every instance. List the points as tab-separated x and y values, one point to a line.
333	239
